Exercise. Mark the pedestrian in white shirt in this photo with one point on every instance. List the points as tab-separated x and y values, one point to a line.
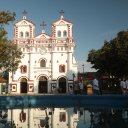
96	89
126	84
123	86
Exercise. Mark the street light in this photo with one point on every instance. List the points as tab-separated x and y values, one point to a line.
83	79
83	68
73	75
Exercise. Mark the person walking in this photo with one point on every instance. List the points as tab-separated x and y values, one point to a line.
76	88
81	87
123	85
126	84
95	84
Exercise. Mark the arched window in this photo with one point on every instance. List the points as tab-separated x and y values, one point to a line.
62	68
65	33
42	63
23	69
27	34
21	34
59	33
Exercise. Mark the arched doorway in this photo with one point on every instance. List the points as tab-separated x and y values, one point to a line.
23	85
42	87
62	85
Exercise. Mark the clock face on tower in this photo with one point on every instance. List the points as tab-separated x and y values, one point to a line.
43	50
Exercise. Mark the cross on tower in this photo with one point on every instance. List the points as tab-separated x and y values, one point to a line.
61	12
24	14
43	25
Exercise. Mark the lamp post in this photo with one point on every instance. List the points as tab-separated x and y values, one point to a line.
83	68
83	72
82	84
73	75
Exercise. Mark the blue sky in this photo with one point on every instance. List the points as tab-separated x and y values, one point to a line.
94	20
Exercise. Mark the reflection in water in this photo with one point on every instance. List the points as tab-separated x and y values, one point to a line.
63	118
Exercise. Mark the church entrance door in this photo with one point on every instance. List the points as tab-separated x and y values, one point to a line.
42	87
23	85
62	85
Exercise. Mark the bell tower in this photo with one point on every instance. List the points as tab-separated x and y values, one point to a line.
23	30
62	28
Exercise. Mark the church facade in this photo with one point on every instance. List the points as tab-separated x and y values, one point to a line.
48	60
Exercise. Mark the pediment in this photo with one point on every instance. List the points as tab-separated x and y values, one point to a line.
61	22
24	22
43	36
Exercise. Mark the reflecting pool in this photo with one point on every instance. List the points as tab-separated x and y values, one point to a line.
64	111
74	117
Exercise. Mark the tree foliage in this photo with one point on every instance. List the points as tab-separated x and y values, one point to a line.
112	57
10	55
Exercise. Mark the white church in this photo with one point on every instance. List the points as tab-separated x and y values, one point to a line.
48	60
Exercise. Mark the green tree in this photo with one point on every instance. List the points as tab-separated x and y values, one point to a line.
10	55
112	57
